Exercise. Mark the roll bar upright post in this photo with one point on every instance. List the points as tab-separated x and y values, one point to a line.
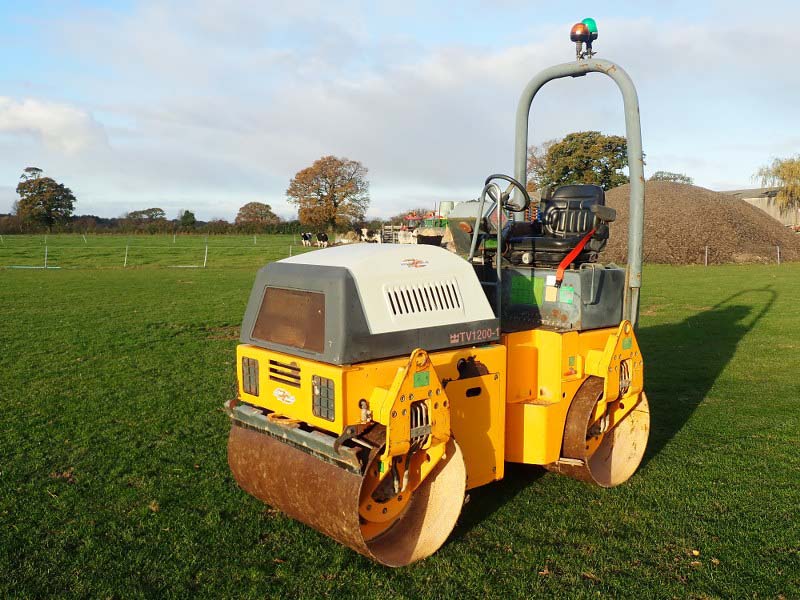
633	132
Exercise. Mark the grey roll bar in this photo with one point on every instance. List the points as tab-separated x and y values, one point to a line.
633	132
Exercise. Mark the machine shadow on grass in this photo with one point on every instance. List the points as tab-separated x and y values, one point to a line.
485	500
683	359
698	347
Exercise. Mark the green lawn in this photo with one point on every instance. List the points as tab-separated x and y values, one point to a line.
76	251
114	482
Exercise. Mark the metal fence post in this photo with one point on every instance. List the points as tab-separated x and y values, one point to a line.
45	255
205	257
706	255
779	254
125	264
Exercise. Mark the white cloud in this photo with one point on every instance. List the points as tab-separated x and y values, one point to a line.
215	103
59	126
8	196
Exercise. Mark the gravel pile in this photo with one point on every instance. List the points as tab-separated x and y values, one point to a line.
681	220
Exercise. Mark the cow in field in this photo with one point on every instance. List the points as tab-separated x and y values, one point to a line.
306	237
322	240
370	236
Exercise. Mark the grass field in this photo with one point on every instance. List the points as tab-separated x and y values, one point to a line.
104	251
114	482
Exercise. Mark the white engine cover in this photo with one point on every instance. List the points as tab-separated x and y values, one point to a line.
404	287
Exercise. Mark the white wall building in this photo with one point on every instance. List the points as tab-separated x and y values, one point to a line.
764	198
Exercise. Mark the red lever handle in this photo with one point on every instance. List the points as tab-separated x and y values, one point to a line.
573	254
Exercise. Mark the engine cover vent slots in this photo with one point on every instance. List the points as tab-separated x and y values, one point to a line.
288	374
426	297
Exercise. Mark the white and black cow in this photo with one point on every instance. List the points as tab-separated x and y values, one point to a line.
370	236
322	240
306	237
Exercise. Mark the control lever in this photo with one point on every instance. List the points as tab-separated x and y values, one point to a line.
606	215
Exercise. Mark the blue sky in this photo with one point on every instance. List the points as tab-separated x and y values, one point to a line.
210	104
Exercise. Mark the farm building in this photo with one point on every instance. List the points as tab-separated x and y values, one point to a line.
764	198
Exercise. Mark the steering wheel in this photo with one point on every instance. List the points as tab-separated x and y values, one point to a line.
506	195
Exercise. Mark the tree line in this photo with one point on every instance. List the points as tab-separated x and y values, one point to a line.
332	194
185	223
47	205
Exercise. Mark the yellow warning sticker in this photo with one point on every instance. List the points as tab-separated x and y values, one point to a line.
550	293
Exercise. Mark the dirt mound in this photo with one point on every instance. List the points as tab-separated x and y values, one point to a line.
681	220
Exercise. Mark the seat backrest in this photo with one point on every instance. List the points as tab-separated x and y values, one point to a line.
568	211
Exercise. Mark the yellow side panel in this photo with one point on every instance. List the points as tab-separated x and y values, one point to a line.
550	367
534	432
477	416
478	408
474	382
523	368
477	420
292	401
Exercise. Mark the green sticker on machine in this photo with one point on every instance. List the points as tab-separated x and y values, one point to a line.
422	379
527	291
566	293
627	343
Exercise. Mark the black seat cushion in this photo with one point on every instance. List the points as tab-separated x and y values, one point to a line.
566	217
569	211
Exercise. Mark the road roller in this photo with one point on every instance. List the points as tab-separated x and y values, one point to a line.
378	384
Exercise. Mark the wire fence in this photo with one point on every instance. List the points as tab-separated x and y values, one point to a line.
187	251
715	252
80	251
745	253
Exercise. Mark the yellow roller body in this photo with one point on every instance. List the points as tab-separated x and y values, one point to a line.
580	410
545	370
492	359
474	380
463	392
570	401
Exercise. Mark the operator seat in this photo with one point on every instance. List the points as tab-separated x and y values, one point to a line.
566	217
